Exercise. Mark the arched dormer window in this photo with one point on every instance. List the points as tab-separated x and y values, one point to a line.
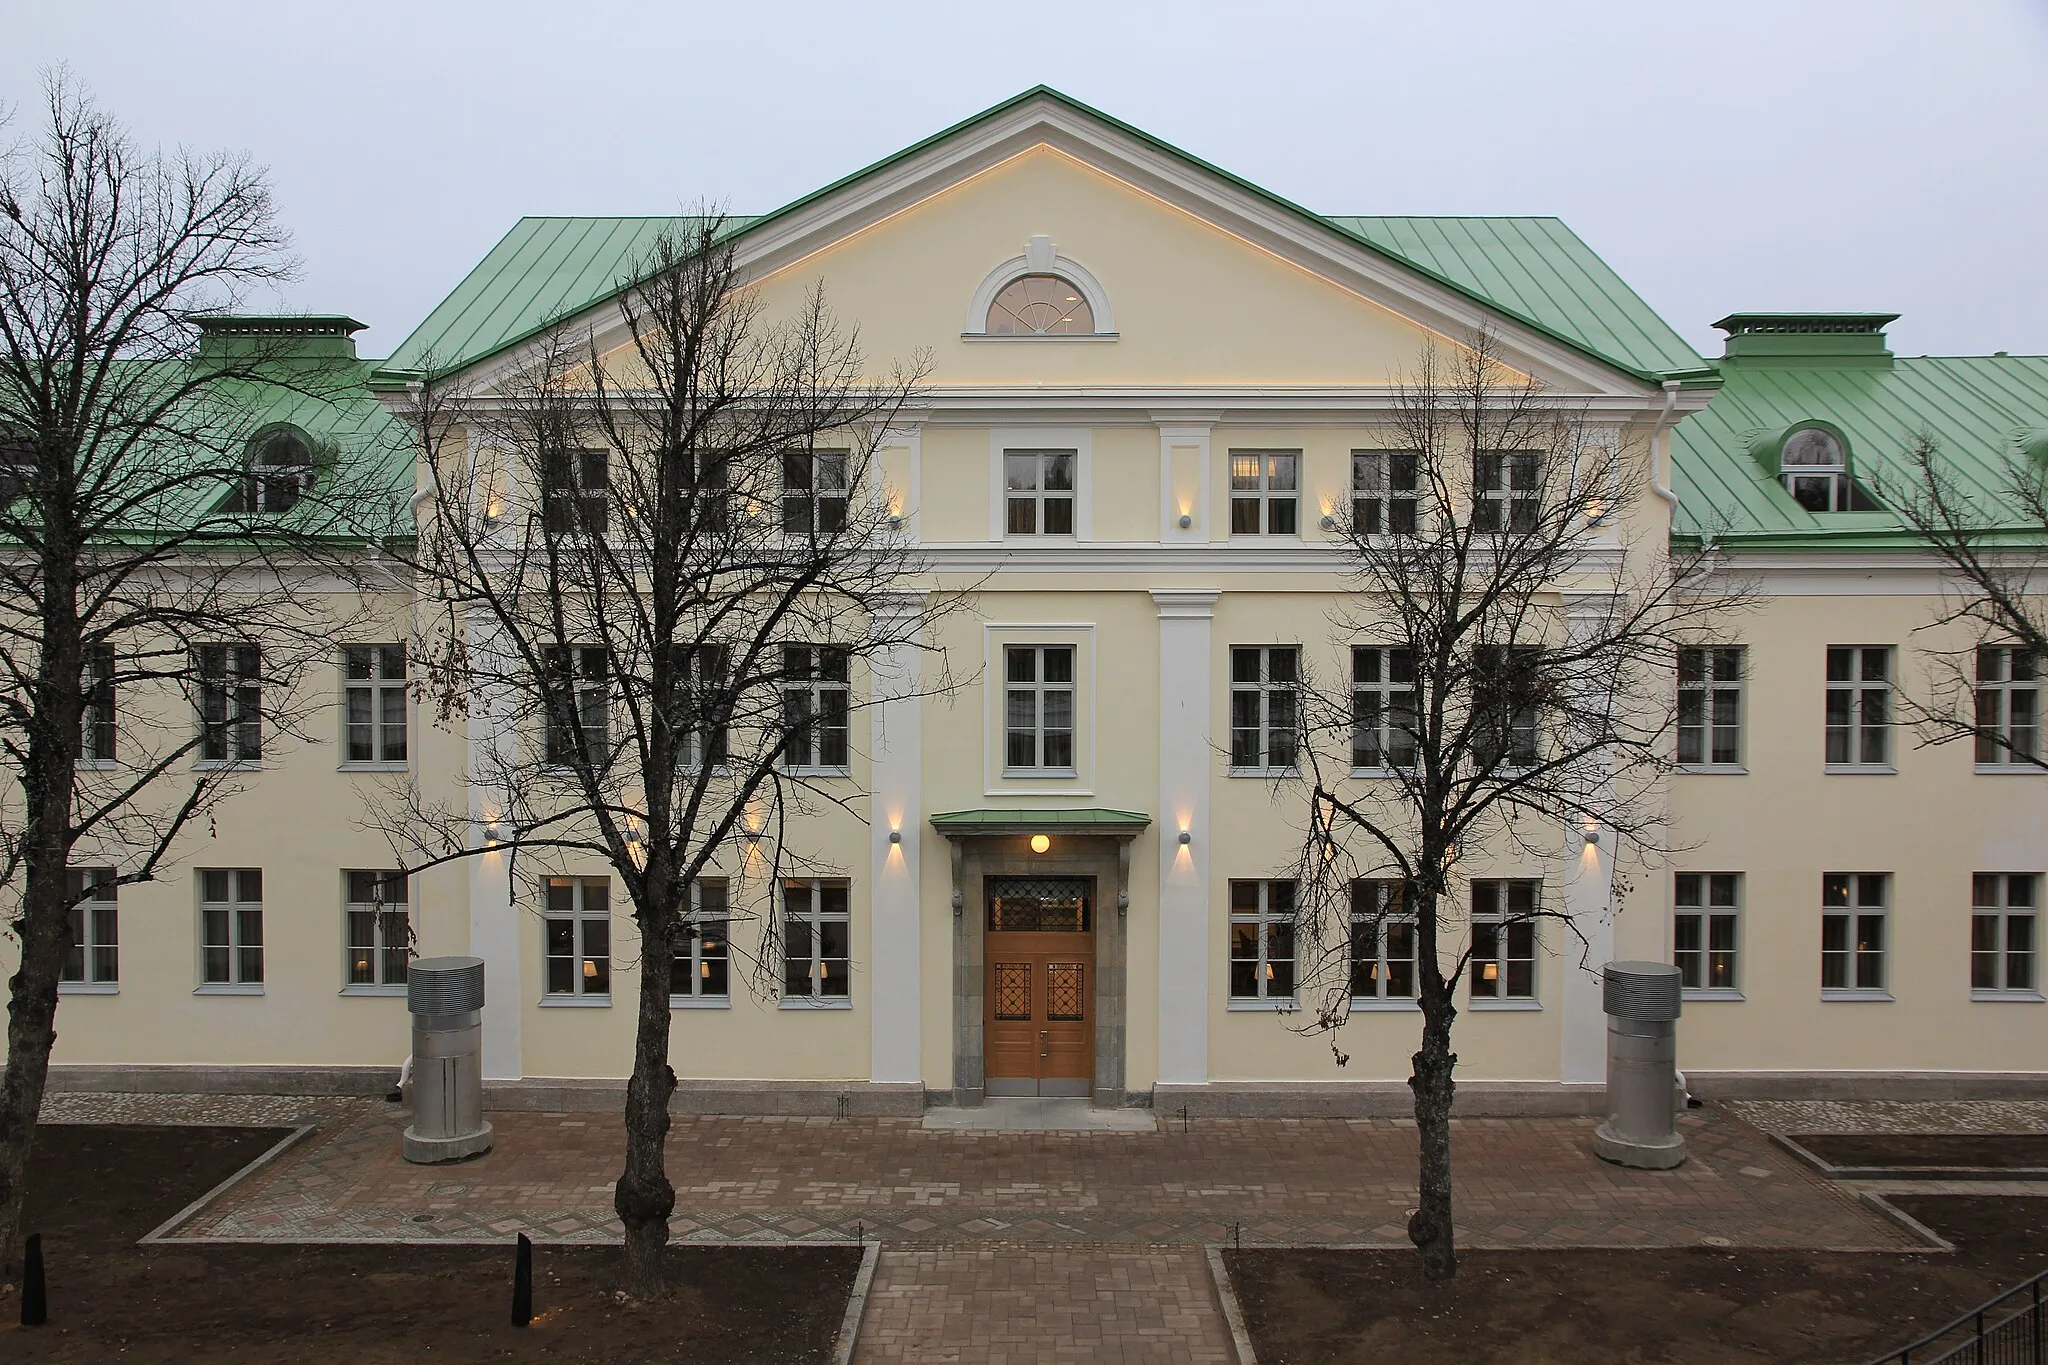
1040	294
277	473
1811	462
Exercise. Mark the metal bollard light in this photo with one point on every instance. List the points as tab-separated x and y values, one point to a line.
446	997
1642	1004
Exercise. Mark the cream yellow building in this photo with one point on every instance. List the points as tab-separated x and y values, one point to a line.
1149	382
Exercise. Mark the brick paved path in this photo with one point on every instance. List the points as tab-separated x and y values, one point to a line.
1005	1305
1523	1182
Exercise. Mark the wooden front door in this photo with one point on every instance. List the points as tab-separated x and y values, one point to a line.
1039	1021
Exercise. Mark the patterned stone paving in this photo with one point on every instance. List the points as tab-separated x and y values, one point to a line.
1895	1116
1523	1182
239	1111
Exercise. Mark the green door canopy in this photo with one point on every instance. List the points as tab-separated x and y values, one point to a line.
957	824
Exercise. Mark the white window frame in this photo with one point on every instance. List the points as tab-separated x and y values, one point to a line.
95	929
1855	912
827	983
705	738
709	923
382	695
244	963
1857	690
1385	492
812	696
1035	498
270	487
1507	491
590	965
1275	708
1503	922
1376	922
98	724
1842	492
389	922
579	504
1385	738
2004	741
1271	495
590	698
1711	900
1993	905
1702	715
823	490
1038	688
230	682
1272	928
1522	727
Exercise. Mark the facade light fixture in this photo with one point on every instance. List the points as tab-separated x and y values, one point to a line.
895	836
1040	842
1592	838
1186	838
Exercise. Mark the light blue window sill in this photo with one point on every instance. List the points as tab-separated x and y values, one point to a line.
1860	769
808	1002
1851	996
1040	338
1716	769
814	771
228	765
1703	993
96	765
2008	997
1982	770
1031	774
385	992
88	988
229	988
575	1002
700	1002
390	766
1266	773
1371	1004
1379	774
1483	1006
1268	1006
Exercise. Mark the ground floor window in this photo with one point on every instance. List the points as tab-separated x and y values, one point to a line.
1262	940
1382	942
703	957
579	936
817	929
377	928
1853	932
231	926
94	956
2002	933
1703	930
1504	939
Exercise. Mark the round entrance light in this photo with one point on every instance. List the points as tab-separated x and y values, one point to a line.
1040	843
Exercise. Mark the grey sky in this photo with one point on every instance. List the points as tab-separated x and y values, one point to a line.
1723	156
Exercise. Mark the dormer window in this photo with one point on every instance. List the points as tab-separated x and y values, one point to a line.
278	473
1814	467
1040	305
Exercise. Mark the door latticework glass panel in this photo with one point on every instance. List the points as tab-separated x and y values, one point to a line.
1013	990
1064	982
1039	905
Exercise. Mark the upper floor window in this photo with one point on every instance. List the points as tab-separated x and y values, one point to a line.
277	473
700	679
1710	706
575	491
577	692
230	703
96	722
1859	706
813	491
705	477
2008	706
1038	492
1815	469
1507	490
1040	305
1265	494
1383	715
94	955
1263	721
1038	708
814	707
1383	491
373	694
1505	696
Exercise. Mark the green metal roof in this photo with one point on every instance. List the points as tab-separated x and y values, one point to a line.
1984	411
1534	271
1006	821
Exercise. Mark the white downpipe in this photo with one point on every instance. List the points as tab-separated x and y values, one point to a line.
1660	447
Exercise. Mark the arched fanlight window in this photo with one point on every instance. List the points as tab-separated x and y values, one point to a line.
1040	305
1814	466
278	472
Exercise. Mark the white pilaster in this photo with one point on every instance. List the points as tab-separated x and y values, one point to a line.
494	922
1185	759
1588	896
895	1000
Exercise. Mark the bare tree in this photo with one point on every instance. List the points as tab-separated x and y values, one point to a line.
667	576
138	546
1513	631
1994	563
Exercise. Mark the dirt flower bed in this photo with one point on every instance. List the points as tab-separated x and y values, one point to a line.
1676	1306
95	1189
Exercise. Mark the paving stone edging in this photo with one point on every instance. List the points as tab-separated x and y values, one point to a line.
856	1305
162	1231
1233	1314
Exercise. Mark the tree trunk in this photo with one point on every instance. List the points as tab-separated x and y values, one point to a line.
644	1197
31	1033
1431	1229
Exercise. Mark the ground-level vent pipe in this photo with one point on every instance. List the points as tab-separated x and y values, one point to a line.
1642	1002
446	997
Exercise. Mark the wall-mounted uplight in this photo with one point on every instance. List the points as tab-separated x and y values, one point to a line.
1328	523
895	836
1186	521
1040	842
1186	838
495	835
1592	838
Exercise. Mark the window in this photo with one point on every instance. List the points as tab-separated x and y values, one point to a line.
1262	941
814	707
1505	700
704	477
377	928
1815	471
1703	931
94	955
1382	942
579	937
1262	706
1859	706
813	491
1040	305
575	491
578	699
1710	706
230	703
1507	490
1504	939
816	939
1038	708
1383	716
2008	706
703	955
1852	932
1264	493
18	462
279	472
2002	933
231	927
373	696
1383	488
701	682
1038	492
96	723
